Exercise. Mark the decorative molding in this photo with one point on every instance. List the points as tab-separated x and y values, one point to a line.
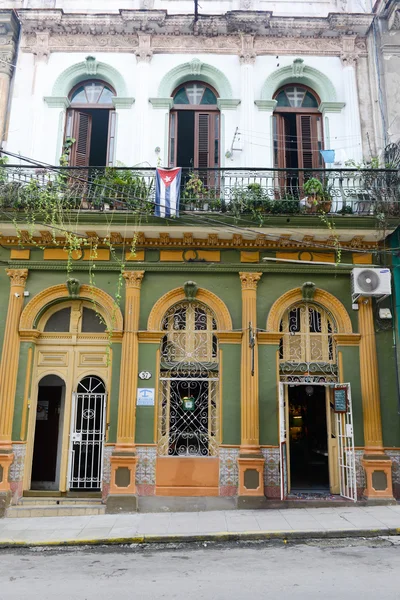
298	67
321	297
331	107
162	102
308	290
9	32
144	52
229	337
315	79
184	72
268	105
394	19
190	289
247	55
57	293
57	101
223	317
227	103
17	277
78	72
347	339
133	279
249	280
120	102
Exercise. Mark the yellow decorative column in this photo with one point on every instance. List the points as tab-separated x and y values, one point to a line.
377	465
251	461
8	374
123	461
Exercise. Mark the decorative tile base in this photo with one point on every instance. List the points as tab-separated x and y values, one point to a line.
272	475
16	473
228	471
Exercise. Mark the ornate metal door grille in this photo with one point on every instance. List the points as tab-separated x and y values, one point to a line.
307	346
347	459
87	435
188	404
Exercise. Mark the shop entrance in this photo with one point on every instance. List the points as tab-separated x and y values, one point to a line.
48	439
308	439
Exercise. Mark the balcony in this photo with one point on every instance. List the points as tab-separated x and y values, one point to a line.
257	194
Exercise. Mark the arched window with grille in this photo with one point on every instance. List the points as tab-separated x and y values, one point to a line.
188	412
307	346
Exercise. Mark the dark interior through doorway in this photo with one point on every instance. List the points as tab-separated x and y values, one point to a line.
99	137
309	470
185	147
46	448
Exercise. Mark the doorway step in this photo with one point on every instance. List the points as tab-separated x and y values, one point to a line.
55	507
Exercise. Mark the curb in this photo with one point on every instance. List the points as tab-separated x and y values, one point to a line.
245	536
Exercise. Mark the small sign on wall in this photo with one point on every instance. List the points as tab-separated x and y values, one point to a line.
145	397
340	399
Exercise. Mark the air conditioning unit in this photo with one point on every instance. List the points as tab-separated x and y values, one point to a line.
370	282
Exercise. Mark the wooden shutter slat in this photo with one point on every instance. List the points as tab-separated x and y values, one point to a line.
82	135
305	144
203	140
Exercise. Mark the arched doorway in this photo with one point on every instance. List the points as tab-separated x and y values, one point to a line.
91	121
71	373
308	365
297	133
188	411
194	127
47	446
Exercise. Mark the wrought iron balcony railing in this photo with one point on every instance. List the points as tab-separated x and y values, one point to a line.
233	191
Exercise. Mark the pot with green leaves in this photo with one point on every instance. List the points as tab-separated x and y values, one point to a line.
318	195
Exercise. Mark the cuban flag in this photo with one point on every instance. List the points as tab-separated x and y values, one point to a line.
168	189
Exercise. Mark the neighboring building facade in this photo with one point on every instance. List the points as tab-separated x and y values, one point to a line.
224	362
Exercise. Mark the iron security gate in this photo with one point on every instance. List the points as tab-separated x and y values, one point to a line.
347	461
87	435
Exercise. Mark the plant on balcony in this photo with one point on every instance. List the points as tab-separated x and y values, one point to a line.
286	205
121	188
251	199
193	193
318	195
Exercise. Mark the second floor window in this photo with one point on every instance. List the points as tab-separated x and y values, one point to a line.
194	127
91	122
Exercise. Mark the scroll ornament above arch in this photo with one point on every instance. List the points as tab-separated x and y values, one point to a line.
56	293
321	297
224	321
299	73
195	69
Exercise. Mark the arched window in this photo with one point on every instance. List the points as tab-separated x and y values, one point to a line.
307	346
91	122
194	127
188	421
297	128
78	317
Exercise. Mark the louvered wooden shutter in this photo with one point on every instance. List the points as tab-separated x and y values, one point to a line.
202	140
81	131
307	141
173	137
112	126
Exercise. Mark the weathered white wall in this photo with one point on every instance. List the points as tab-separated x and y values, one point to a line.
36	129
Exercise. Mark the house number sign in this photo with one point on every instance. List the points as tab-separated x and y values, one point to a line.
144	375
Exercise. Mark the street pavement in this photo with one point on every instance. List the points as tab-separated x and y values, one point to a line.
211	525
331	569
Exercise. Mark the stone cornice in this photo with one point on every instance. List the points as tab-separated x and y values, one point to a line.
268	105
57	101
9	30
331	107
161	102
227	103
120	102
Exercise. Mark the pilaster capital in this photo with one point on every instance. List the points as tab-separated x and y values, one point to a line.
249	281
133	279
17	277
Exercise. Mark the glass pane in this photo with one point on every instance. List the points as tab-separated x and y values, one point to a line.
93	91
181	97
309	101
282	99
208	97
295	95
195	93
91	321
106	96
79	96
59	322
314	321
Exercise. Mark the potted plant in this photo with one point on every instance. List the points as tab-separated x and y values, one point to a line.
318	195
193	192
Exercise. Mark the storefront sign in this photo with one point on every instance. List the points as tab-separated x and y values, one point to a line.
340	399
145	397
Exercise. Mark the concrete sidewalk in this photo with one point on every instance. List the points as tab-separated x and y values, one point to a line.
201	526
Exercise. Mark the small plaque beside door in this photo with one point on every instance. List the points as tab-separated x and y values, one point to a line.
340	399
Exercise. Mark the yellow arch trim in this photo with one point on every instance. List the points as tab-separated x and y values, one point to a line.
224	321
46	297
322	297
